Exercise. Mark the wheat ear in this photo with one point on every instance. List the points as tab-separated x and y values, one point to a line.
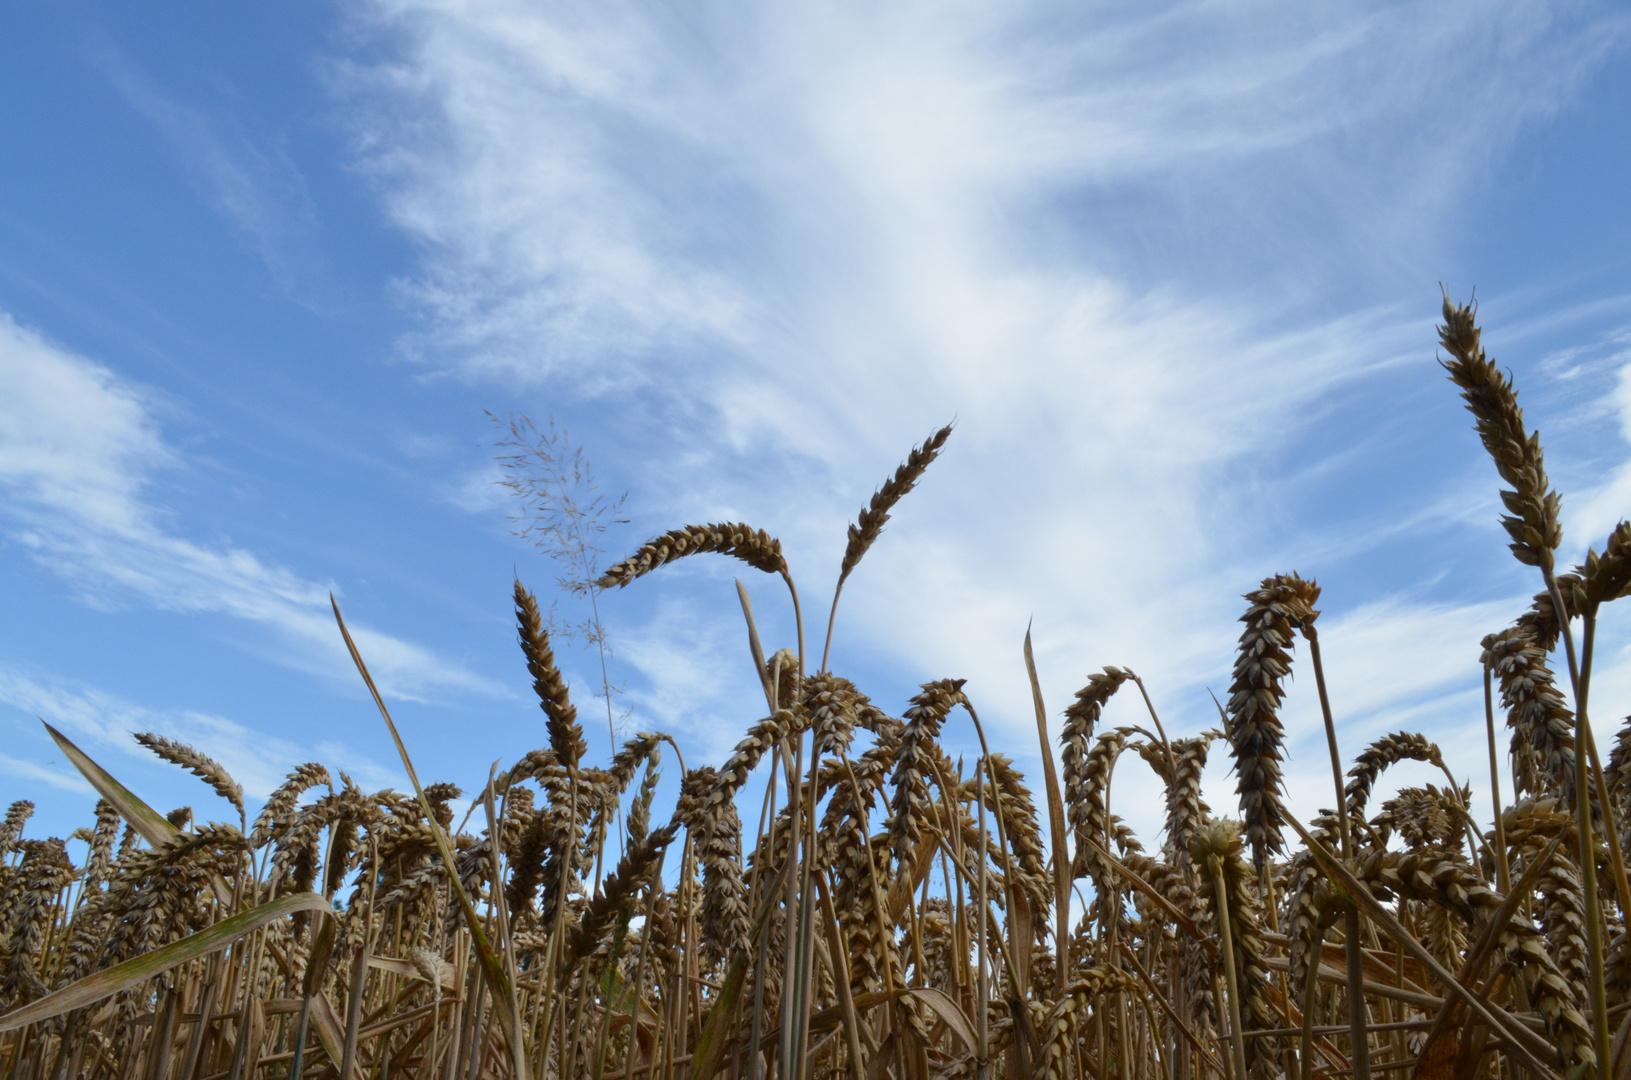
757	548
274	816
1532	520
870	522
11	828
1284	604
560	715
1077	741
619	890
212	772
1378	756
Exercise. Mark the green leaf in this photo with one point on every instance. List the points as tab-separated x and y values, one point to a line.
146	820
133	972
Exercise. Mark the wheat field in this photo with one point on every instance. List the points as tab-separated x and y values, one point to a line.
893	912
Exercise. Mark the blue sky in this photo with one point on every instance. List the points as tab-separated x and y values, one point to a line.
1173	268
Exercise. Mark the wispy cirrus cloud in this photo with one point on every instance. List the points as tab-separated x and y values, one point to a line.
80	448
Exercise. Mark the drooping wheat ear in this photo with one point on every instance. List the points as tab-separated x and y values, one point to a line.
761	738
1532	519
939	944
1076	740
617	893
1542	725
283	800
1541	622
206	768
44	872
1531	821
570	803
439	795
347	810
1284	604
1432	877
635	752
298	841
1310	910
757	548
639	823
831	702
887	728
1384	752
924	718
1553	996
1563	921
1421	816
560	715
1443	934
533	835
864	533
413	886
1619	769
164	893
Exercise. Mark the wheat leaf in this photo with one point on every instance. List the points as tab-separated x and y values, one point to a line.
133	972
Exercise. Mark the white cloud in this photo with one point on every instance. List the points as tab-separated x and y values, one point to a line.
78	449
691	673
1611	503
102	723
56	778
